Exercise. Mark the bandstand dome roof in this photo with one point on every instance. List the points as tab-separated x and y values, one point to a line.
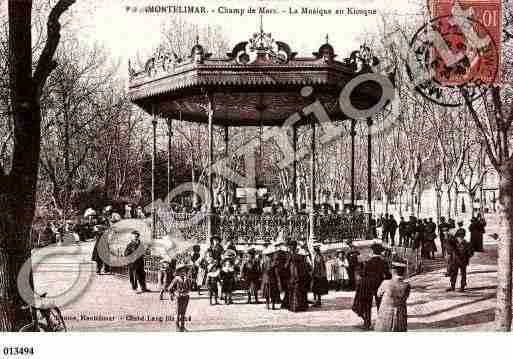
258	83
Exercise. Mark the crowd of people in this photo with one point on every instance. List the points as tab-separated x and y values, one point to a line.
422	233
283	273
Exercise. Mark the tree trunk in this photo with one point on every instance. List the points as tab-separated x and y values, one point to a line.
449	203
419	199
400	197
18	188
12	257
456	209
412	200
472	199
438	194
503	310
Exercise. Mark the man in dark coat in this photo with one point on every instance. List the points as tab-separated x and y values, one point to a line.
385	229
374	271
482	227
477	230
392	228
251	271
373	224
402	232
136	271
460	252
443	231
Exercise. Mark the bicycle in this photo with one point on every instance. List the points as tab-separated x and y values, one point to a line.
53	320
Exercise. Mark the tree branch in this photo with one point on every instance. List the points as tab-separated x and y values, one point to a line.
46	64
487	141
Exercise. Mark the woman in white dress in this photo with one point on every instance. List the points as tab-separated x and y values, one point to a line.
342	266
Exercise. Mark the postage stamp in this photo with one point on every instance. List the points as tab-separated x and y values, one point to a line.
459	48
486	21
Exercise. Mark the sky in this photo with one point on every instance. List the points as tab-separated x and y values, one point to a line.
126	34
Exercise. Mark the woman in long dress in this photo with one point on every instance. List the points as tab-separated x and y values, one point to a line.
296	268
392	313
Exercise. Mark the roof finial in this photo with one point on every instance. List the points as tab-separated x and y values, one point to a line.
197	39
261	23
327	38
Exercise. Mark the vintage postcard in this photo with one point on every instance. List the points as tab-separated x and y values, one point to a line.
255	166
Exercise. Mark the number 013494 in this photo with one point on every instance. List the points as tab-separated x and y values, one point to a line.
17	351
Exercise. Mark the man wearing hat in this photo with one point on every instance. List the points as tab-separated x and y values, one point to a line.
279	259
319	275
182	285
374	271
460	251
136	271
251	272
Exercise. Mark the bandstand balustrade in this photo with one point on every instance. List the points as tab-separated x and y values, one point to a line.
253	229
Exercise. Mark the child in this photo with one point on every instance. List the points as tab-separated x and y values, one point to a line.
182	284
213	272
228	280
166	274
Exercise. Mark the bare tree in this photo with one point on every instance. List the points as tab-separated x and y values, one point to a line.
75	110
18	187
493	116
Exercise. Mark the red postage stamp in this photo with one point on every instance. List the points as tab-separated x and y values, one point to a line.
469	41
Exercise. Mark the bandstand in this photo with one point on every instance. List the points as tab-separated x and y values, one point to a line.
262	83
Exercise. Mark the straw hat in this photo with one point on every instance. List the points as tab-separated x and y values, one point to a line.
377	248
268	251
182	266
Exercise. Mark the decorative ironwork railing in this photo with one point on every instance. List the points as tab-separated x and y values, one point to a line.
261	229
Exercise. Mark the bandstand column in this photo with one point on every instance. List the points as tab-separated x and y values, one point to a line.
153	161
294	170
353	135
226	144
312	184
169	138
210	204
369	165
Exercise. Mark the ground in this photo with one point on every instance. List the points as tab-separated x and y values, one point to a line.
430	308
